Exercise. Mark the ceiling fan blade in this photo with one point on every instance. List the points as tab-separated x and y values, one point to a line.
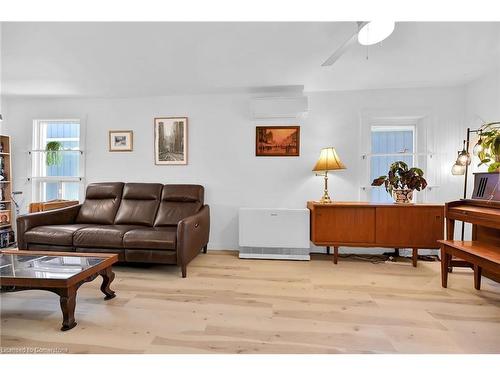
344	47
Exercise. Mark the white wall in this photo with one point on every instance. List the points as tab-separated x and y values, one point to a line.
222	146
482	100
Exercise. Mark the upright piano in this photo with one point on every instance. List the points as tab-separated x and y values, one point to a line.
482	253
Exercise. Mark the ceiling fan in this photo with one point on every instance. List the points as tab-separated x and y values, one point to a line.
367	33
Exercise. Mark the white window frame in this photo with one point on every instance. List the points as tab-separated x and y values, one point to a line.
419	118
387	127
39	168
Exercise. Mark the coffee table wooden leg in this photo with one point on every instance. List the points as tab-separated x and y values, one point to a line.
107	277
414	257
67	300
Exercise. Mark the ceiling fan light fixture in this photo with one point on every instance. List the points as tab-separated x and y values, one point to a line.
375	31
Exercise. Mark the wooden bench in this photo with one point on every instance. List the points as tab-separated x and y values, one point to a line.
479	254
51	205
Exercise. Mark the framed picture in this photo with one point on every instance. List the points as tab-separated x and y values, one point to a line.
277	141
4	218
121	140
171	140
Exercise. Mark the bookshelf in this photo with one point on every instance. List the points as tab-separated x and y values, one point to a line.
6	217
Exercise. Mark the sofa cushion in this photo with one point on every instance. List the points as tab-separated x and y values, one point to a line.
161	238
61	235
109	236
178	202
139	204
101	203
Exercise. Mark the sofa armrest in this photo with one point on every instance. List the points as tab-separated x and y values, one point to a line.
60	216
192	235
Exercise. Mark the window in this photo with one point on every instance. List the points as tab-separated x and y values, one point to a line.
57	175
389	144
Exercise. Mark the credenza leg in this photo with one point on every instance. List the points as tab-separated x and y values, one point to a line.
335	254
444	267
414	257
477	277
328	250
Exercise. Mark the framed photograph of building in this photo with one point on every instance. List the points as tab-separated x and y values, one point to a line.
171	140
121	140
277	141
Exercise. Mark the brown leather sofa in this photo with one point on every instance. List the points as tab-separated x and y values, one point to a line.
141	222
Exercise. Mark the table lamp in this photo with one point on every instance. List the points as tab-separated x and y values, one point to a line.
328	161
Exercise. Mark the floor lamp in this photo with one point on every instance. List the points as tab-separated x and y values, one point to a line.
461	166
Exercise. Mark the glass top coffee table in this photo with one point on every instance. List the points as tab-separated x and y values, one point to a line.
61	273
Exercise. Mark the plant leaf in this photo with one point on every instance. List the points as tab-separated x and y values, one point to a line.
379	181
493	167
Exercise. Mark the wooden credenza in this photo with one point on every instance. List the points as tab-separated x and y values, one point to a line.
364	224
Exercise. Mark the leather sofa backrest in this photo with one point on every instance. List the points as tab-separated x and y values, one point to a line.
139	204
101	203
178	202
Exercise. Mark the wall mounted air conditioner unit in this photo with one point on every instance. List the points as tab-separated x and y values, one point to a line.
279	107
267	233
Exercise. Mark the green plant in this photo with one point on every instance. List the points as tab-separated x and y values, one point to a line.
401	177
53	155
490	142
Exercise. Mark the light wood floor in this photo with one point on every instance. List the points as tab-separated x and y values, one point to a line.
228	305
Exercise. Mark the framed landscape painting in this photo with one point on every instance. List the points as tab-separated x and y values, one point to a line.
171	140
121	140
277	141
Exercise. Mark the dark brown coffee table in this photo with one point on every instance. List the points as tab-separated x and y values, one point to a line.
61	273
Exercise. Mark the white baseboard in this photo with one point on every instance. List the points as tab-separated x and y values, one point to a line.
275	256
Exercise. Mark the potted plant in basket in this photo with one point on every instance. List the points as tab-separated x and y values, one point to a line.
401	181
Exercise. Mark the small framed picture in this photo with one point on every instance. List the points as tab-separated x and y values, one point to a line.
170	140
121	140
277	141
4	218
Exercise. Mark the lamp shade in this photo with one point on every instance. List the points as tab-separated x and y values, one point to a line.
463	158
328	160
457	170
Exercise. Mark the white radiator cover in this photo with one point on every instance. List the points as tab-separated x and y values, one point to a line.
269	233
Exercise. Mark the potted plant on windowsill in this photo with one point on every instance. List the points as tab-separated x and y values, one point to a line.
53	155
401	181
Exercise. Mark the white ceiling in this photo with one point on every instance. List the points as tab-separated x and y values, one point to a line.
148	59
